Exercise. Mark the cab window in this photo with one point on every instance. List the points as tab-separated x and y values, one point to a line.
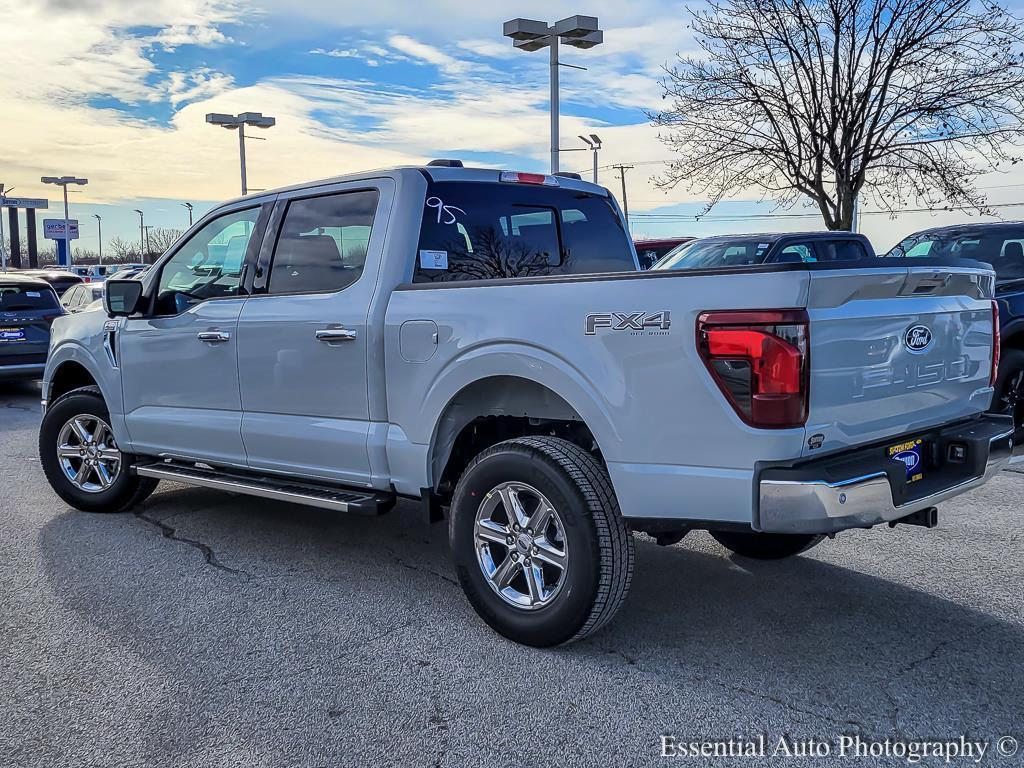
323	242
208	265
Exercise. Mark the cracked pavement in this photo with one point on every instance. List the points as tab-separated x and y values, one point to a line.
214	630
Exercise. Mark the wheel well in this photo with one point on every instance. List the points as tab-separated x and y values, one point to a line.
1014	340
69	376
500	408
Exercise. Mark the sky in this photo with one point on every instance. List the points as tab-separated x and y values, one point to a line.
116	91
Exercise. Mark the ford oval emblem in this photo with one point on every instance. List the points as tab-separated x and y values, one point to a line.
918	338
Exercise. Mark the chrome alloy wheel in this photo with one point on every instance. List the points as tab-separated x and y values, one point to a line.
520	545
88	453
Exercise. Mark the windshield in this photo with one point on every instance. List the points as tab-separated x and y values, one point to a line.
1003	248
707	254
484	230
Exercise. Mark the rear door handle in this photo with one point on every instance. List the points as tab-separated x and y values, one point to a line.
213	337
335	334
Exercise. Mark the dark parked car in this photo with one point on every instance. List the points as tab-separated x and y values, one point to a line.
1002	246
774	248
60	279
28	306
650	251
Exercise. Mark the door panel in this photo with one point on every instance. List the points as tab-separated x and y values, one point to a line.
179	364
181	393
302	344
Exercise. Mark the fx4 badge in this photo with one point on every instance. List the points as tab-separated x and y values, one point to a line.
636	323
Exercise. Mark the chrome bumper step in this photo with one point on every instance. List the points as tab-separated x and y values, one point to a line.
356	501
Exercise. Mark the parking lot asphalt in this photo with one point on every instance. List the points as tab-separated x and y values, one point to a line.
206	629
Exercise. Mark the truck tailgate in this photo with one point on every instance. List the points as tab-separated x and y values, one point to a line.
895	350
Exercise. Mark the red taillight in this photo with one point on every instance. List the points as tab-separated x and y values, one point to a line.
997	343
759	359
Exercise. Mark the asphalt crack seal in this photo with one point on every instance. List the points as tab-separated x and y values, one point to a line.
209	555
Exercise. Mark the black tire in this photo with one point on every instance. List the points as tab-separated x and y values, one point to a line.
766	546
598	544
1009	396
126	490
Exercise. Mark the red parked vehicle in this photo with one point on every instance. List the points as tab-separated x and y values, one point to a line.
649	251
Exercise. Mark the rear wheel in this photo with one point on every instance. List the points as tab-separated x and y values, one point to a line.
1009	396
81	459
539	545
766	546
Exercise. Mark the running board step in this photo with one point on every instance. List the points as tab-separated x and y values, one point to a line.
360	502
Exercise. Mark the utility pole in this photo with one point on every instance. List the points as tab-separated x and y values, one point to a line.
625	202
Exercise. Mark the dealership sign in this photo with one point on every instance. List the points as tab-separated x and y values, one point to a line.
53	229
24	202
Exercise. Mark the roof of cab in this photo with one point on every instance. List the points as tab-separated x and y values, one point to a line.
433	173
979	226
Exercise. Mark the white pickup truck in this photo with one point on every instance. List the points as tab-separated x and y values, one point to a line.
481	340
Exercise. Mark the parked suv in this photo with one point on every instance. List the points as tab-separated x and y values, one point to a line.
724	251
483	341
28	306
1002	246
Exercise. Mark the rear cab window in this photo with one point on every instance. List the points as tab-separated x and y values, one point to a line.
27	298
485	230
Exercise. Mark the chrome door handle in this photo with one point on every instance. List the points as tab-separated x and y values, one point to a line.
213	337
335	334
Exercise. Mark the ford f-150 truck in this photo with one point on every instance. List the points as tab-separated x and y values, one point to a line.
483	341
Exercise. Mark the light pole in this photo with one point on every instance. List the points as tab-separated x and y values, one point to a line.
99	234
594	142
63	181
189	206
142	235
532	35
238	123
3	247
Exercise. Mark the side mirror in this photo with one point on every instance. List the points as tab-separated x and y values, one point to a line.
121	297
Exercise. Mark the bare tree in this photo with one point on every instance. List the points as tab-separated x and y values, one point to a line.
159	239
121	251
907	100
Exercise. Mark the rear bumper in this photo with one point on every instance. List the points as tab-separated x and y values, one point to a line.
862	488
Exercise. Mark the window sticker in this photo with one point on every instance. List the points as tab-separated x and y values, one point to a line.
434	259
34	294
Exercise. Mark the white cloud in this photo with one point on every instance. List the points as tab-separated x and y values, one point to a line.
427	53
337	53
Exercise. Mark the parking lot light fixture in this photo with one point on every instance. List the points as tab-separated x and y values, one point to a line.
99	235
531	35
594	142
142	235
189	206
238	123
63	182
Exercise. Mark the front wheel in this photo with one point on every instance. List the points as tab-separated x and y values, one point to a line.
538	541
81	459
766	546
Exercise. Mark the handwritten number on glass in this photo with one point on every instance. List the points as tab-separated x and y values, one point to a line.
447	211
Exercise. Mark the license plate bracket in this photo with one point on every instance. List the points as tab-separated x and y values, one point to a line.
911	453
11	335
